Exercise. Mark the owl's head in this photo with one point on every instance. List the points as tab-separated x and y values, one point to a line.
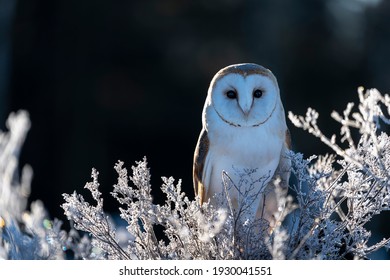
244	95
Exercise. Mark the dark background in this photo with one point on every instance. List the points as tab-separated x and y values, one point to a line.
119	80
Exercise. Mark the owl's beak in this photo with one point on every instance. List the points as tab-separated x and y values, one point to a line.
245	106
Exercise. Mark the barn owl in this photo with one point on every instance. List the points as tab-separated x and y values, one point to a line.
244	128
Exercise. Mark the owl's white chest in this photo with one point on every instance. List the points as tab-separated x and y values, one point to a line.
239	151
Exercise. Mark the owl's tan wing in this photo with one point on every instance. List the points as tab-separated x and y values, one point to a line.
287	141
284	167
201	150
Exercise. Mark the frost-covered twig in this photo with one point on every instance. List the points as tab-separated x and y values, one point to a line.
23	234
92	219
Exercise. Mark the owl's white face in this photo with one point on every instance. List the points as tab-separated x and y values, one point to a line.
244	100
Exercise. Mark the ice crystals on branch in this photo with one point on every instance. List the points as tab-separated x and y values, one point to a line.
23	234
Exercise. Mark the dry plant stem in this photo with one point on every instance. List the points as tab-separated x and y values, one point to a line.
303	240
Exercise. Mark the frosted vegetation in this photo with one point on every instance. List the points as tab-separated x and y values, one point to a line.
330	202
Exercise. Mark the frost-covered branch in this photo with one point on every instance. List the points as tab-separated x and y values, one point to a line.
358	188
23	234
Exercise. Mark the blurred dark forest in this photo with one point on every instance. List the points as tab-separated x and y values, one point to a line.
119	80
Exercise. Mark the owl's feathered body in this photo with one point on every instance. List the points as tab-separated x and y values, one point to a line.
241	131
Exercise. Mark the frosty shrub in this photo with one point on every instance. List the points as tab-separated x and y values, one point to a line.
23	234
325	215
343	196
331	200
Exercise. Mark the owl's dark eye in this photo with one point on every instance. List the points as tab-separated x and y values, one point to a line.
231	94
257	93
